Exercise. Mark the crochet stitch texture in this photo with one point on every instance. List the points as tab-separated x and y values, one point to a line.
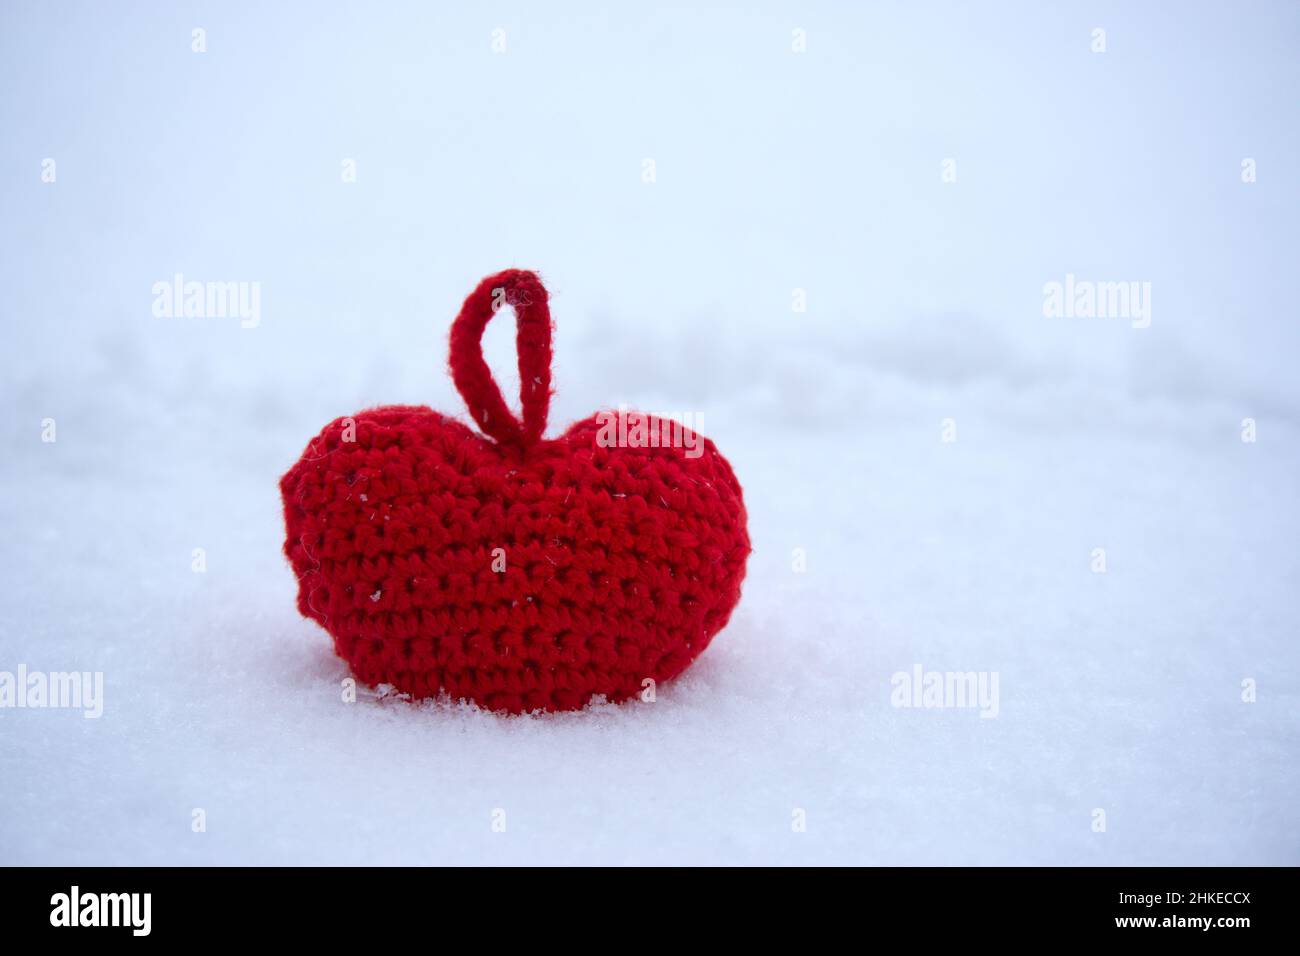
503	568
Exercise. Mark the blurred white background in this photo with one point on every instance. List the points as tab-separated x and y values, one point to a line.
775	171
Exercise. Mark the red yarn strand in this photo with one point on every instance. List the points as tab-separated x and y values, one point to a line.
524	291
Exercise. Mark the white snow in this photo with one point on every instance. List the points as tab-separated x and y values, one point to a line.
1119	691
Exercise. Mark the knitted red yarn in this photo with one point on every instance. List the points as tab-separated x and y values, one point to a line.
514	571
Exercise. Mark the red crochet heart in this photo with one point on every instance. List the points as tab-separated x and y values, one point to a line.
518	572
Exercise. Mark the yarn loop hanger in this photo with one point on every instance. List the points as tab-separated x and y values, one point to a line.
524	291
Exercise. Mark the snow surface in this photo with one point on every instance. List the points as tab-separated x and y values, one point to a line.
1119	691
